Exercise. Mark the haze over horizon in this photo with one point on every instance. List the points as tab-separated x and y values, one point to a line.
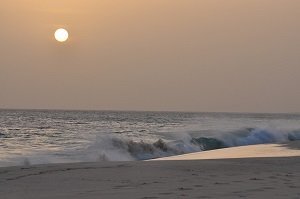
160	55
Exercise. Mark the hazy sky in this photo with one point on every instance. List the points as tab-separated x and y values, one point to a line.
186	55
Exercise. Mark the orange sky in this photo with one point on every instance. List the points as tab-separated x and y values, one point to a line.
191	55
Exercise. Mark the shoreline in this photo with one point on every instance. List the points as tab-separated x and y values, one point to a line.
264	177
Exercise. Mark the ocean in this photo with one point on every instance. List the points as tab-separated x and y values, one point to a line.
30	137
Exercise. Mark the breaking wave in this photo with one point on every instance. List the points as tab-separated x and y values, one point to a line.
118	148
112	148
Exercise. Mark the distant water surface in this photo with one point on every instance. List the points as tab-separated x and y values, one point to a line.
38	137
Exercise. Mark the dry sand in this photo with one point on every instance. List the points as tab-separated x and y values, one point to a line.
274	177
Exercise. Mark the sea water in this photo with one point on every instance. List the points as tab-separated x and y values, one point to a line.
46	136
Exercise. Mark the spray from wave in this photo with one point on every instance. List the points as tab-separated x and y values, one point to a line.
112	148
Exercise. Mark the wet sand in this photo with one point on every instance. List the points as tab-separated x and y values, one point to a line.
290	149
275	177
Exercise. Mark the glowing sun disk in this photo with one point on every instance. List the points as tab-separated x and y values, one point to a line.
61	35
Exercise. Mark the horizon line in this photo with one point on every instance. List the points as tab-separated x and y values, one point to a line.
161	111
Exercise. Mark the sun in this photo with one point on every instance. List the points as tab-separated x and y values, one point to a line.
61	35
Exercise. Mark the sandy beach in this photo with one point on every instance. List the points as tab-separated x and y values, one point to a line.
267	177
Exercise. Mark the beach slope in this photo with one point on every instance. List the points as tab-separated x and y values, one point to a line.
289	149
